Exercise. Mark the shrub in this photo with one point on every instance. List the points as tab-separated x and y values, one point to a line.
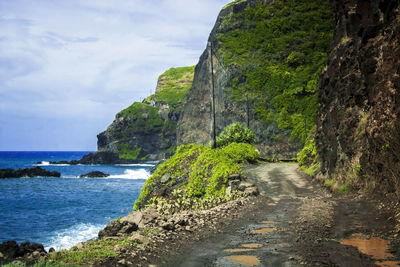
308	157
197	173
235	133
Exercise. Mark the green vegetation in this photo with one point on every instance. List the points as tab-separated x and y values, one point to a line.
307	158
279	49
173	86
93	251
235	133
145	117
343	188
198	171
329	183
126	153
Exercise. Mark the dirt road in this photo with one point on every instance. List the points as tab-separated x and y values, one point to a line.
296	223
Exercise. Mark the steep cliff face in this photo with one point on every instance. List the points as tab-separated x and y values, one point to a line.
147	130
266	60
358	120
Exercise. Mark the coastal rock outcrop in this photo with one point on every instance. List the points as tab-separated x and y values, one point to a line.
147	130
358	120
10	250
94	174
28	172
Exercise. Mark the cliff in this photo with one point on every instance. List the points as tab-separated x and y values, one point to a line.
147	130
267	57
358	121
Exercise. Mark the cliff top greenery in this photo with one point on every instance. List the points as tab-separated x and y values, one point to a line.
280	49
144	117
173	85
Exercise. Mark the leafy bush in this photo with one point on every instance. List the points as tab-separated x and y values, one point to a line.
308	157
241	152
235	133
198	171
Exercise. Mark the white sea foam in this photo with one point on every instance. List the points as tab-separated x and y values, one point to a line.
67	238
46	163
136	165
132	174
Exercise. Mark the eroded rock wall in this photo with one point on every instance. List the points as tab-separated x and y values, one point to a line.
195	122
358	122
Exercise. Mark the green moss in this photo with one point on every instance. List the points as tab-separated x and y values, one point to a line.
280	49
126	153
202	171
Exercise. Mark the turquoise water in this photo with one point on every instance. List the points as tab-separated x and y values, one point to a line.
59	212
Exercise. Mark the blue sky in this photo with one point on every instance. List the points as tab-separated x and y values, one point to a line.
67	67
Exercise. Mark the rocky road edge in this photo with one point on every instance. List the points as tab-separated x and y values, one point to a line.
155	237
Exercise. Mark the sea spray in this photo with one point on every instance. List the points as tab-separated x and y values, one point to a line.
67	238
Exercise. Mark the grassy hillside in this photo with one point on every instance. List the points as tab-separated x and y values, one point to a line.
172	86
279	50
154	120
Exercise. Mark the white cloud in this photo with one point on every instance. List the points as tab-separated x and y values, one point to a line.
88	59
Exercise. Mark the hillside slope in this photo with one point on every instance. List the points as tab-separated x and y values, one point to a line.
267	57
147	130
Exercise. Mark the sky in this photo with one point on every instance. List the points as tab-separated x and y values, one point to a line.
67	67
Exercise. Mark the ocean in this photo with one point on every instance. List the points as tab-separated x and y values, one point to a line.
60	212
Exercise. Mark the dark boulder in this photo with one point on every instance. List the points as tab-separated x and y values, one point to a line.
28	248
28	172
11	250
94	174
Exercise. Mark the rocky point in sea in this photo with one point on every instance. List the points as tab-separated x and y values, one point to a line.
28	172
94	174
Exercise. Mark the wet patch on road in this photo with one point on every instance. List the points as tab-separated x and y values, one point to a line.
244	260
375	247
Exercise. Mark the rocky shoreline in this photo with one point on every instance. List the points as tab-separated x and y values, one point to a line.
149	235
101	158
27	172
156	237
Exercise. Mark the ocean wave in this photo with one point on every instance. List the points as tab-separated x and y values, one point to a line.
136	165
132	174
67	238
46	163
